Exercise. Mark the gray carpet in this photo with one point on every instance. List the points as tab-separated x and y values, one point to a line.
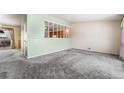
68	64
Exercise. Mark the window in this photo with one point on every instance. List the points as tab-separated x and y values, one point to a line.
51	30
59	34
46	29
56	30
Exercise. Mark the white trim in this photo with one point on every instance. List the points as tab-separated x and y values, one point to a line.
48	53
56	23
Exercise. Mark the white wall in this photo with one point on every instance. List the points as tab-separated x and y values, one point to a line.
100	36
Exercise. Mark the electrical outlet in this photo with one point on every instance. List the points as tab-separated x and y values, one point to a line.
89	48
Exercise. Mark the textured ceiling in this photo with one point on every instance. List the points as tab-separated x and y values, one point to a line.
89	17
10	19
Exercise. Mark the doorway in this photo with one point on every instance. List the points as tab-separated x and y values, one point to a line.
9	39
12	33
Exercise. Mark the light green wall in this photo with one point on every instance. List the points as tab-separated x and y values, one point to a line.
37	44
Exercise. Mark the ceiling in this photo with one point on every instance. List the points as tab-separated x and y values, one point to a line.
15	19
89	17
10	19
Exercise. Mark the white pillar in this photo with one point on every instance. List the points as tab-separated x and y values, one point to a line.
122	46
122	42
